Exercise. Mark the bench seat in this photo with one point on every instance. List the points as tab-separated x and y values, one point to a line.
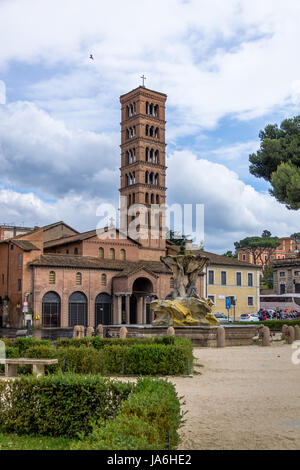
38	365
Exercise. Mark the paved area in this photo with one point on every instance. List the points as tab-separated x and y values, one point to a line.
245	398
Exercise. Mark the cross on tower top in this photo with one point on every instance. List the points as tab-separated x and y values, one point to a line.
143	78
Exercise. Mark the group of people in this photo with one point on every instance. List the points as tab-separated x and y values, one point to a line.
277	314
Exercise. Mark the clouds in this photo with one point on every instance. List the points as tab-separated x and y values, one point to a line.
233	209
39	153
218	61
2	92
213	58
77	211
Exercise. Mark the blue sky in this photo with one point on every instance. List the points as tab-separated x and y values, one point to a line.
228	68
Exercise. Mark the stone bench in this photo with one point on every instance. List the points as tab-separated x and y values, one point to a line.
38	366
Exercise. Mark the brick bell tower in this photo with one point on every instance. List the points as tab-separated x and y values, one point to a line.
143	159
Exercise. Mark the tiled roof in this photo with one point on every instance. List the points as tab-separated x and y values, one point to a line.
124	267
286	262
225	260
78	237
71	239
216	259
25	245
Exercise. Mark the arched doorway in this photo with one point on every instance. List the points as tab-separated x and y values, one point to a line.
51	310
142	286
142	289
77	309
103	308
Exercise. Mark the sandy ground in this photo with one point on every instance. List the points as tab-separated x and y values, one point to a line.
245	398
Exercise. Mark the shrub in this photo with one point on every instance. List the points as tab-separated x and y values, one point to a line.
139	358
73	342
148	359
59	405
80	360
274	325
22	344
100	343
147	420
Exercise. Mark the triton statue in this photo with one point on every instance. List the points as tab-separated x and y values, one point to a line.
187	308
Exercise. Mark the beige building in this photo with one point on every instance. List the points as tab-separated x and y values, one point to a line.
229	277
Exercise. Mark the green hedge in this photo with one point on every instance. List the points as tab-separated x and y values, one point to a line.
22	344
149	358
59	405
274	325
148	420
100	343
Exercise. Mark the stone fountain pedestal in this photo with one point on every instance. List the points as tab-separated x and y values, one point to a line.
201	336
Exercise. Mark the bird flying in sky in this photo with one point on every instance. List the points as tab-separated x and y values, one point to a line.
91	56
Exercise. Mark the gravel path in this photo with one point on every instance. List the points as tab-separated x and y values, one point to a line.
245	398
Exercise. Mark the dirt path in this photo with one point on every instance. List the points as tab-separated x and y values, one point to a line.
245	398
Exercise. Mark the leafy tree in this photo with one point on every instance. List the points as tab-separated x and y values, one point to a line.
278	161
261	248
296	236
177	238
286	185
267	278
230	254
266	234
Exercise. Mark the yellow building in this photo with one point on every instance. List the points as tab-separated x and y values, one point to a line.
229	277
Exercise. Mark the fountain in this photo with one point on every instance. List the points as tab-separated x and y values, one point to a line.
186	308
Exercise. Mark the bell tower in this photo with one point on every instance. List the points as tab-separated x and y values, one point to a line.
143	159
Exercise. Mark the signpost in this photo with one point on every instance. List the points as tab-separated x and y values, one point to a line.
228	305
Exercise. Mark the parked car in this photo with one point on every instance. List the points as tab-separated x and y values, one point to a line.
223	318
248	317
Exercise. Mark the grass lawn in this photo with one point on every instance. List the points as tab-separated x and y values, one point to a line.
15	442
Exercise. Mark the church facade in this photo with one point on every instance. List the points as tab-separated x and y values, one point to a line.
65	278
61	278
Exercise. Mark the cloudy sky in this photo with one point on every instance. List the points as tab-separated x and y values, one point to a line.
228	68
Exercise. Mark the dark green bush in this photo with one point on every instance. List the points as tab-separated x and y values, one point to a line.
274	325
148	359
22	344
117	357
73	342
100	343
147	421
80	360
59	405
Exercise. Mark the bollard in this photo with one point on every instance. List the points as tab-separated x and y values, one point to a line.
90	332
123	332
297	333
291	334
284	332
221	337
76	331
266	336
170	331
100	332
